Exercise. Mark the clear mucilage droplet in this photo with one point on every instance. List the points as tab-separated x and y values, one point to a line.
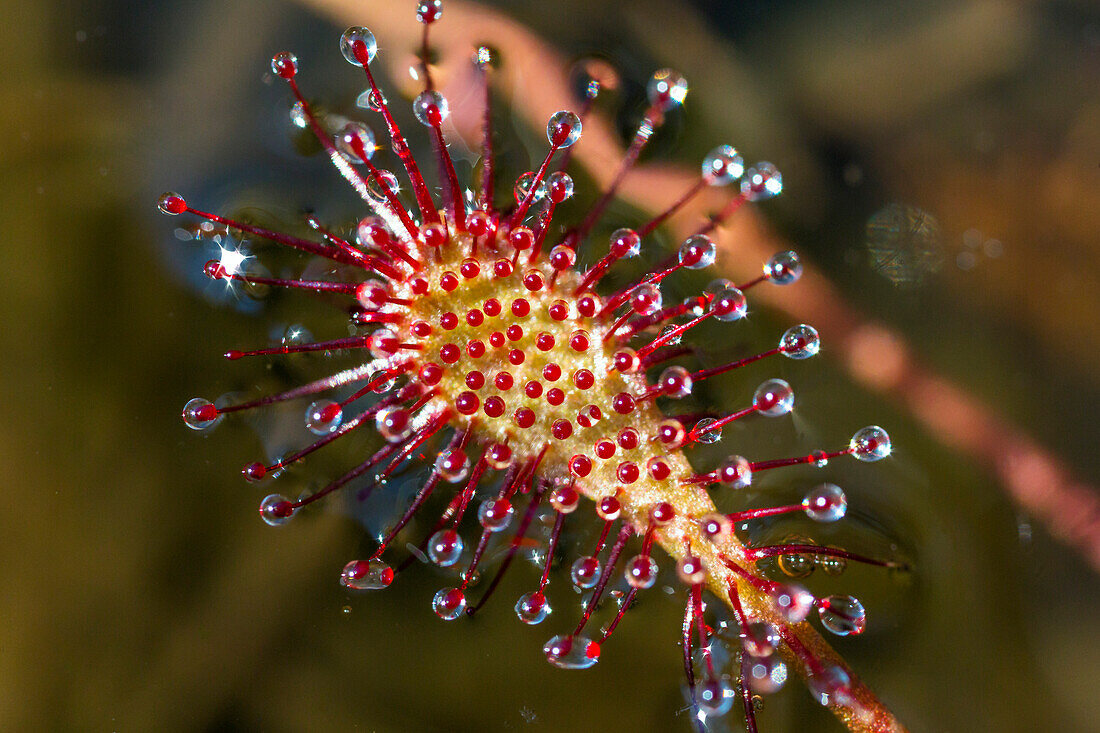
842	615
821	458
800	342
523	185
323	417
691	570
828	686
773	398
723	166
825	503
675	382
729	305
199	414
284	64
371	99
532	608
668	334
714	696
765	675
452	465
702	433
376	192
295	334
646	299
571	652
171	203
560	186
383	383
356	142
625	243
797	565
760	639
871	443
393	424
429	11
449	603
793	602
431	108
735	472
366	575
383	343
697	252
586	572
716	528
564	128
641	572
717	285
762	181
496	514
354	35
276	510
445	548
783	268
666	89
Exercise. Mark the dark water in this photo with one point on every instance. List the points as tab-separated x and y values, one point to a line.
141	591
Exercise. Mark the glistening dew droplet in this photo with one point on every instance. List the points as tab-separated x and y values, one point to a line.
825	503
563	129
764	675
377	187
842	615
697	252
323	417
366	575
572	652
449	603
762	181
794	602
667	89
357	44
356	142
200	414
723	166
431	108
800	342
773	398
276	510
532	608
760	639
871	444
735	472
586	572
641	572
829	685
729	305
495	514
445	547
783	268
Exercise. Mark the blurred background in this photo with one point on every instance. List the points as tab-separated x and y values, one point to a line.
941	163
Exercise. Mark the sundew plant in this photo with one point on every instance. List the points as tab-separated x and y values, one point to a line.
487	336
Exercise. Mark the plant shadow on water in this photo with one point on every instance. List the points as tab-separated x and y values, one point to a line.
940	169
